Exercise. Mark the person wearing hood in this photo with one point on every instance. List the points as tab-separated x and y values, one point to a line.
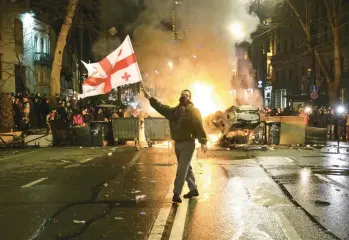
186	126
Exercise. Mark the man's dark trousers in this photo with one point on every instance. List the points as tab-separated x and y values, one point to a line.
184	152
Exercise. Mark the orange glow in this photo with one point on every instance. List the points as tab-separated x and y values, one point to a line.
205	98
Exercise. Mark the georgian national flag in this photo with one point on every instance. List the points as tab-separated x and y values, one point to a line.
117	69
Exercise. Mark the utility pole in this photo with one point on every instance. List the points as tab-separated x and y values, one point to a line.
313	33
174	19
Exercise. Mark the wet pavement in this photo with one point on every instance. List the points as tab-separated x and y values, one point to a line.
121	193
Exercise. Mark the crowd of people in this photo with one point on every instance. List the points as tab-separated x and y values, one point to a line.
337	124
38	111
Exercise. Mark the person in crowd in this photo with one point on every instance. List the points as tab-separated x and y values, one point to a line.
323	120
62	112
341	126
49	118
26	108
304	115
331	122
278	112
24	125
78	118
100	115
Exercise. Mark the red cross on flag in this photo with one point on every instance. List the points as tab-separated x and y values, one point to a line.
117	69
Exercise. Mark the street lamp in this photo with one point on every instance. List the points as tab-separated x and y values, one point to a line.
340	109
308	110
236	30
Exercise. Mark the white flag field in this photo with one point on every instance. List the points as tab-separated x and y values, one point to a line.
117	69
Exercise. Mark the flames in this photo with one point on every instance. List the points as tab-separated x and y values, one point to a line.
205	98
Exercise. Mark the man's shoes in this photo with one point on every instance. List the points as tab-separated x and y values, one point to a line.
176	198
191	194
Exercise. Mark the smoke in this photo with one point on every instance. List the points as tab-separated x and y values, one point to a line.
104	45
205	51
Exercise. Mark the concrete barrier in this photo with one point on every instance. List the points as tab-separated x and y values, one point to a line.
292	129
315	136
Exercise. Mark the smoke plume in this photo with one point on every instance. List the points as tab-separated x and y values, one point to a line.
204	52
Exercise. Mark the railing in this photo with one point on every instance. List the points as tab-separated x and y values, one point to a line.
43	57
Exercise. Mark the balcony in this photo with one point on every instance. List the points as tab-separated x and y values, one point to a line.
43	58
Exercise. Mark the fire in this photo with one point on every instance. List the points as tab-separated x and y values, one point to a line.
205	98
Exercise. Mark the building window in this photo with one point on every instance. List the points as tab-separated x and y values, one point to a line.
19	36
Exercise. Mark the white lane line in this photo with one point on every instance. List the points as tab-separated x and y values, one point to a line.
322	177
179	221
135	158
289	159
86	160
1	159
286	226
78	163
161	219
33	183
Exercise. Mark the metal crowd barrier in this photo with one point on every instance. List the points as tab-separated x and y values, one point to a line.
126	129
156	129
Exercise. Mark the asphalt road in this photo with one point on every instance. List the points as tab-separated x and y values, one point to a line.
121	193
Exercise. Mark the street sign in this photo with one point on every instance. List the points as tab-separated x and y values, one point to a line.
314	88
314	95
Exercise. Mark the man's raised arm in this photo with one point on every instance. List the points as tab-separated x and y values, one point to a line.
164	110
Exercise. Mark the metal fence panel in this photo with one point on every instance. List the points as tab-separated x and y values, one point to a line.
157	129
125	129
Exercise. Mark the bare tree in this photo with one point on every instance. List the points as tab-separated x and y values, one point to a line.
61	42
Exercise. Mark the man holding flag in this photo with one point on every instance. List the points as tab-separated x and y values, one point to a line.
186	126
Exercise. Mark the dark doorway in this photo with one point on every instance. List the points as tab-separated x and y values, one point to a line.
20	79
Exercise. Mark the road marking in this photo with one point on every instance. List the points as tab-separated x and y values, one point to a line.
286	226
322	177
289	159
135	158
86	160
22	154
179	221
161	219
33	183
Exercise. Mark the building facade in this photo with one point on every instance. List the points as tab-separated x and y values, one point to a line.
283	62
26	50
